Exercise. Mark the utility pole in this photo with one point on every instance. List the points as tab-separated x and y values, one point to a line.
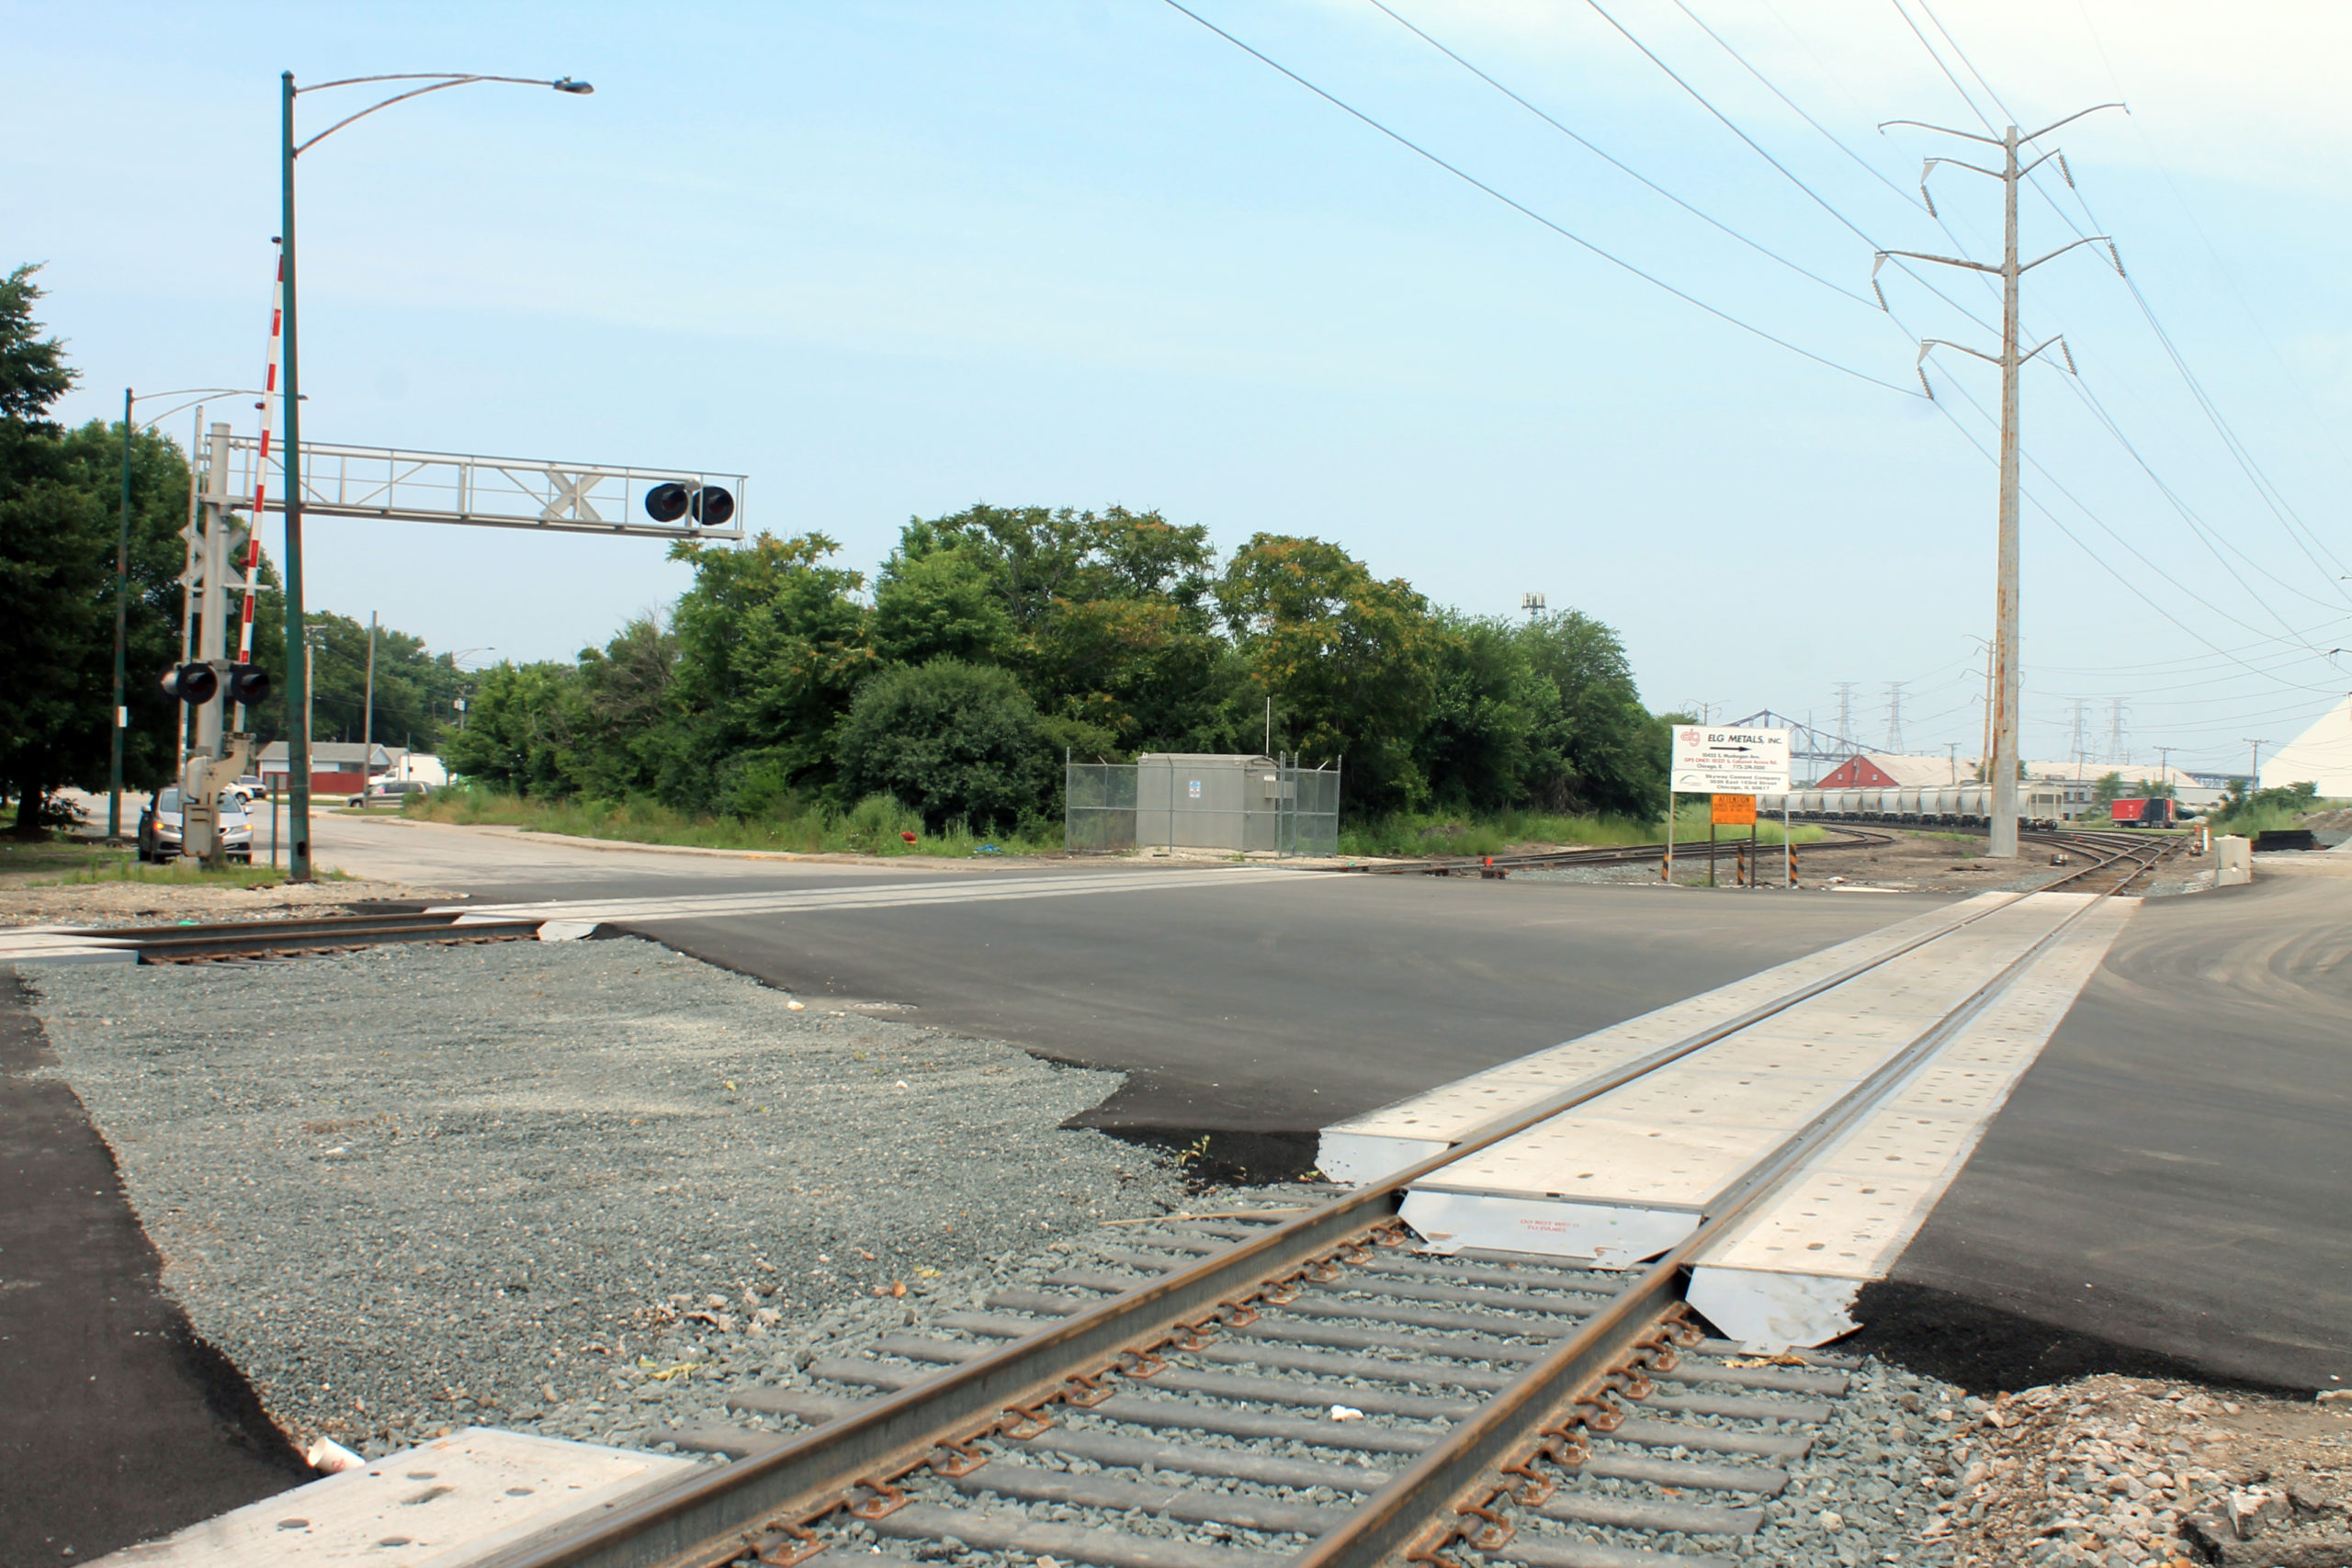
2254	768
2164	765
121	714
2003	759
1952	748
1894	716
368	723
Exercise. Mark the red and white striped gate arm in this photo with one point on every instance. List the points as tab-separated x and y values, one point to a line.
261	469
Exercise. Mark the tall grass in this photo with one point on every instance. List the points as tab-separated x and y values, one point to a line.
2264	818
877	825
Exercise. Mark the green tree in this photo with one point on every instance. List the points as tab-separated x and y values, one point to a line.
627	729
1350	662
1476	748
949	739
1598	749
1105	616
522	722
60	519
770	647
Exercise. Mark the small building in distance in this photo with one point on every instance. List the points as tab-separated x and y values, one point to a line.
1887	770
337	767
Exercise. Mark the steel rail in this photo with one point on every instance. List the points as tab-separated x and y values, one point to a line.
1420	1510
713	1518
175	949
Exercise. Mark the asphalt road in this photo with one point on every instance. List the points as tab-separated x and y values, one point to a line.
2174	1175
2168	1187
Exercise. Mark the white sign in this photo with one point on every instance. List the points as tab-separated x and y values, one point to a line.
1193	788
1730	761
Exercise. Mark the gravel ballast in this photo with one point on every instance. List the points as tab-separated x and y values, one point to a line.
559	1187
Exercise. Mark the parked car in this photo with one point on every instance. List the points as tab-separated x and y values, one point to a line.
160	828
382	792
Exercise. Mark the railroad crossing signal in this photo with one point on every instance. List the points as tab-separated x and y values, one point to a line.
248	684
197	683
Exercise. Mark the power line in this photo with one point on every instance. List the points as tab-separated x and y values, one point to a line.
2108	566
1867	167
1618	163
1526	211
2264	487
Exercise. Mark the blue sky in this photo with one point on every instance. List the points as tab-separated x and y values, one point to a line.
894	258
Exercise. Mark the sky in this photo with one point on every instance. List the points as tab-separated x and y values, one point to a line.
890	259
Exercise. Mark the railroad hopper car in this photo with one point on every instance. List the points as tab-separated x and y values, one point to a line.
2160	812
1952	806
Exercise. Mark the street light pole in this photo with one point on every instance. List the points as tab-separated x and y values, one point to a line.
122	635
298	727
297	707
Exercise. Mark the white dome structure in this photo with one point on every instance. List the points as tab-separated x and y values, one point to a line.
2322	754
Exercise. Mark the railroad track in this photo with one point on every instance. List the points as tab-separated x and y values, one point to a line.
312	937
1235	1392
2122	862
1849	838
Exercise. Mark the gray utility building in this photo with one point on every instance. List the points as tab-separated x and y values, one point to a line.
1203	800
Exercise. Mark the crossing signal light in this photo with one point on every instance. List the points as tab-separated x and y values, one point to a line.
666	503
248	684
707	504
195	684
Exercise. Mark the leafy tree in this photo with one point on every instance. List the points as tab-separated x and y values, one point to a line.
944	604
770	647
60	522
416	691
1599	749
1352	661
1105	616
949	739
522	721
627	697
1476	749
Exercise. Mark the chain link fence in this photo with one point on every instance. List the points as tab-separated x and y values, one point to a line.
1238	803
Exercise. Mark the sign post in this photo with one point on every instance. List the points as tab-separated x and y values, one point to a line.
1733	766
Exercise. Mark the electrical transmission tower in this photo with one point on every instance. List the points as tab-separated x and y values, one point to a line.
2080	754
2115	729
1894	716
2004	761
1845	709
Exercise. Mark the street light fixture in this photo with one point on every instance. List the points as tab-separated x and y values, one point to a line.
298	732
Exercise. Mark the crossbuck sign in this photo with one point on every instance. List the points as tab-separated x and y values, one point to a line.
1730	761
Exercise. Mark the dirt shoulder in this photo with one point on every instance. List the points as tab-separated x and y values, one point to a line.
112	902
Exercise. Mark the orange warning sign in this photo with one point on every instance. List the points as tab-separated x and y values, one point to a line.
1734	811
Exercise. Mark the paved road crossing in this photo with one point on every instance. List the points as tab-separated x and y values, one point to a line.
900	895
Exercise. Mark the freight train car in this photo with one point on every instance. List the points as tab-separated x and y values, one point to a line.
2040	805
2159	812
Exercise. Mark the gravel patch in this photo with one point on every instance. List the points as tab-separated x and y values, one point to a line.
569	1187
